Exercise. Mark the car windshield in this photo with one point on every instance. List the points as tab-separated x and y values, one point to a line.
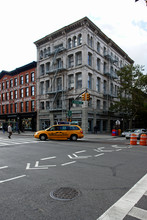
137	131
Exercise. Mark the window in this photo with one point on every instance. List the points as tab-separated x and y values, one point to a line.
59	63
11	95
89	59
105	86
15	107
41	54
98	104
70	61
15	94
21	106
89	81
27	106
11	108
78	58
104	105
79	39
41	88
105	67
11	83
78	80
98	64
3	96
27	78
32	105
69	43
59	84
98	84
71	81
7	96
32	77
111	89
7	108
59	103
21	93
27	91
7	84
21	80
15	82
3	109
47	105
42	105
98	47
47	86
41	69
32	90
89	40
74	41
3	85
47	67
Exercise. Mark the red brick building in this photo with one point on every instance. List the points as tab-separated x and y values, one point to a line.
18	98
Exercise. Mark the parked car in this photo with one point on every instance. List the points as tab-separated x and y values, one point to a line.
124	133
60	132
138	133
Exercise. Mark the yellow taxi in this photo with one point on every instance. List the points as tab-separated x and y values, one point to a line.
60	132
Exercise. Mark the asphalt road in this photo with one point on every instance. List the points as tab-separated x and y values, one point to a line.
64	180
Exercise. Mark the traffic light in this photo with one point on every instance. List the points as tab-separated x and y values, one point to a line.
87	96
84	96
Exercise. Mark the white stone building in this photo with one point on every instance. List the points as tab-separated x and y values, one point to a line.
69	61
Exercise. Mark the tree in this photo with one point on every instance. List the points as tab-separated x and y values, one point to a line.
132	94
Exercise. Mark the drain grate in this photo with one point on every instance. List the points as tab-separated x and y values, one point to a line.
64	193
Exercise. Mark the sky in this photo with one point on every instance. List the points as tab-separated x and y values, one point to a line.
22	22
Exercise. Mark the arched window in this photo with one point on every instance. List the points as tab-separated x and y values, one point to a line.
69	43
79	39
74	41
41	54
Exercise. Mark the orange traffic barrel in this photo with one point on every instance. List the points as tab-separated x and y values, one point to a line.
143	140
133	139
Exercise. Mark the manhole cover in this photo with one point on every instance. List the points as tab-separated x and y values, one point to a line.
65	193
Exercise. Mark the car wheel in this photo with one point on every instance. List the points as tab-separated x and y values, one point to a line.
42	137
73	137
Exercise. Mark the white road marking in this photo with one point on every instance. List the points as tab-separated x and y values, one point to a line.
34	168
65	164
14	178
82	151
98	155
37	165
48	158
138	213
3	167
124	205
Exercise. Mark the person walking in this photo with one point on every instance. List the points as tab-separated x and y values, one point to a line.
9	131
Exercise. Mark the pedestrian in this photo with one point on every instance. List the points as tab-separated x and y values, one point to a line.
9	131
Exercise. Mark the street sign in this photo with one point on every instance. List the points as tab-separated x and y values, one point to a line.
77	102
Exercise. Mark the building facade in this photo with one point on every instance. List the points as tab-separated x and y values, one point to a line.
76	58
18	98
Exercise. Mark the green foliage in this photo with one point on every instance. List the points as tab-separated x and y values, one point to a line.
132	93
